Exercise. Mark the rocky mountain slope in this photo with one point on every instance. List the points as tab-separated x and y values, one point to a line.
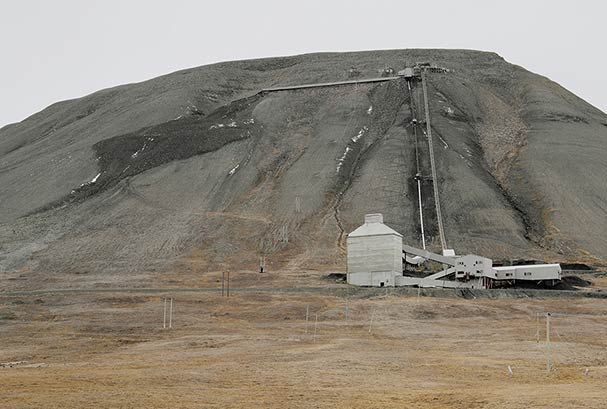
197	170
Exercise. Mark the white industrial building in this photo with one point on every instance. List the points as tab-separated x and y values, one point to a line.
375	254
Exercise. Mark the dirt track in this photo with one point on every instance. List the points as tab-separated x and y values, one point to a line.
252	350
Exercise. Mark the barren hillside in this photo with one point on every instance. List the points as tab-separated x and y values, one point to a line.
197	170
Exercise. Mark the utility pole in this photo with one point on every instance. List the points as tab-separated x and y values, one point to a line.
537	327
307	316
548	358
347	309
164	318
225	284
171	315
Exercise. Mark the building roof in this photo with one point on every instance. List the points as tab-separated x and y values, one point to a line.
374	226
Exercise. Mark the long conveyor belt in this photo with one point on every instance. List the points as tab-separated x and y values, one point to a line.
417	167
439	218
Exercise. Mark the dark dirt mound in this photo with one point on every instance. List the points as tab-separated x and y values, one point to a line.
569	282
576	267
128	155
576	281
338	277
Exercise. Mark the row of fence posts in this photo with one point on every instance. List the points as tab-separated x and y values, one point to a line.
316	320
168	301
549	363
225	292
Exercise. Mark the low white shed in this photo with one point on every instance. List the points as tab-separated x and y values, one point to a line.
374	253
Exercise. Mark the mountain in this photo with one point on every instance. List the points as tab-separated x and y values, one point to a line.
198	170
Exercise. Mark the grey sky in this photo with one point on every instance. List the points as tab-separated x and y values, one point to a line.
61	49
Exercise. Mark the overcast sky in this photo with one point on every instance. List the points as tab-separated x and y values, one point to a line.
61	49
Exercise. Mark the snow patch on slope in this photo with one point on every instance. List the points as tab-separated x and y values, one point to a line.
341	160
360	134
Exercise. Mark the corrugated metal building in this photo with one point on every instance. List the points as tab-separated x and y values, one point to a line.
375	253
537	272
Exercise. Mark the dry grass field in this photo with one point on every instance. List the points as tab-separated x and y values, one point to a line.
112	202
255	350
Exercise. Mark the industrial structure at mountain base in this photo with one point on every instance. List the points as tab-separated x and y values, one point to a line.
376	256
